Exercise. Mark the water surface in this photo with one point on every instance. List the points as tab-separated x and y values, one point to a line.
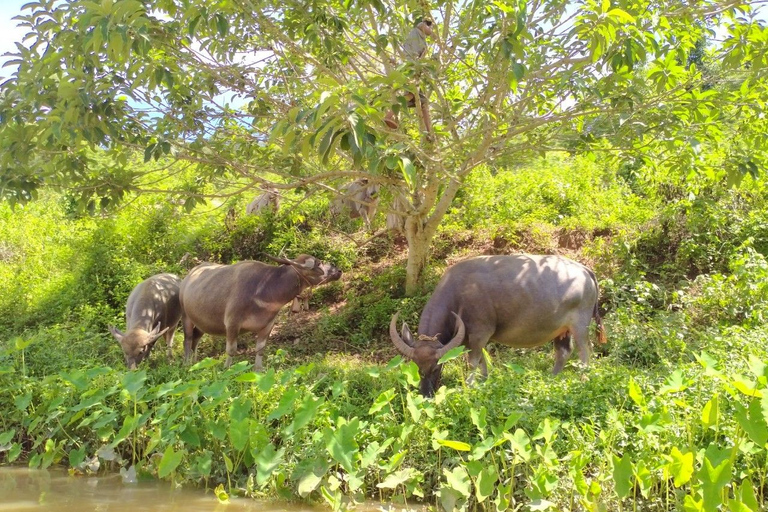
54	490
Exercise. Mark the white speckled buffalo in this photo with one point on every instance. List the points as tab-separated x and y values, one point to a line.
152	310
226	299
518	300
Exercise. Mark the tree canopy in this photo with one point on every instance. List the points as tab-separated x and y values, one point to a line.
293	93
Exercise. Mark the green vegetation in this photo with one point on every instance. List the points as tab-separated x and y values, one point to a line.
671	414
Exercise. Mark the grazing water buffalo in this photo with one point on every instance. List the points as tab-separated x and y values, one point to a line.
359	198
226	299
268	201
153	310
520	301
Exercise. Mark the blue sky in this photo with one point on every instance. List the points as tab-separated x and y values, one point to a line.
9	32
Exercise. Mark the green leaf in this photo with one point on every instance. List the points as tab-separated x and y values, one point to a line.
6	437
477	415
680	466
456	445
169	462
382	400
622	15
486	483
520	443
305	413
753	422
285	405
239	433
458	480
133	381
622	475
267	461
341	445
635	393
714	474
452	354
711	413
398	478
310	480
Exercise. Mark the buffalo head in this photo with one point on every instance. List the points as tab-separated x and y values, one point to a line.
137	343
311	270
425	351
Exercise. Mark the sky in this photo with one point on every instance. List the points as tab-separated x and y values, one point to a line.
9	32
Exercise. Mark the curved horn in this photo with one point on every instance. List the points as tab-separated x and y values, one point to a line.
278	260
457	340
400	345
155	335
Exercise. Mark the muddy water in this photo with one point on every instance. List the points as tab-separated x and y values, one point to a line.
23	489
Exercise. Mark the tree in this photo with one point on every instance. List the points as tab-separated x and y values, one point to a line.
293	93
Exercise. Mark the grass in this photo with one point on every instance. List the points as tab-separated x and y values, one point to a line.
674	395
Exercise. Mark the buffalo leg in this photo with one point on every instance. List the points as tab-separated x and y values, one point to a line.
169	342
563	349
192	337
261	342
475	357
232	332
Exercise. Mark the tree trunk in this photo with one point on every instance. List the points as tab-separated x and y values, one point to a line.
419	241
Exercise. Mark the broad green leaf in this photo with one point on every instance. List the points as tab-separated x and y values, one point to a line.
458	480
623	475
169	462
285	406
341	445
239	433
310	480
397	478
6	437
622	15
680	466
714	474
486	483
753	422
305	413
477	415
456	445
711	413
521	444
134	381
452	354
267	461
635	393
382	400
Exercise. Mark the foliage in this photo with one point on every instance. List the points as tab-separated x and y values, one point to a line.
294	96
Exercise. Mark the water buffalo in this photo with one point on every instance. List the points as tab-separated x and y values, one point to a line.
153	310
359	198
226	299
267	201
519	300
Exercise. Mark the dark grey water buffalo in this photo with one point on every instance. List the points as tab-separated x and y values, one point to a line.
153	310
267	201
360	198
519	300
226	299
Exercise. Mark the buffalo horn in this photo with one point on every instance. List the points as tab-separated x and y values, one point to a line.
279	260
457	340
155	335
400	345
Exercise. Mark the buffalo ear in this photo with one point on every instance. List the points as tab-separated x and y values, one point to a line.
116	333
405	333
310	263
